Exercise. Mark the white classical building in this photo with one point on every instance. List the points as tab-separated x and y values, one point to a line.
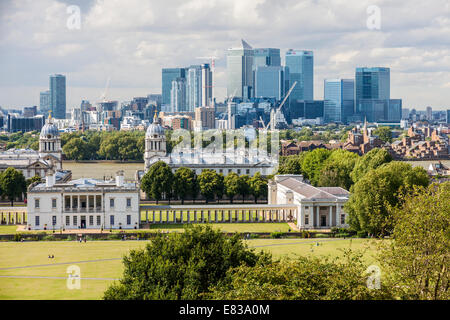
244	161
318	207
31	162
83	203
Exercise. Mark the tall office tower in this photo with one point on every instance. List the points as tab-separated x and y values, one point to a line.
44	102
86	106
301	69
204	118
239	71
178	95
448	116
405	113
373	83
58	96
270	82
394	110
266	57
206	89
168	75
193	87
339	100
429	113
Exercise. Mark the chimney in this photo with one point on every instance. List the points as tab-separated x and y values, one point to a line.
119	178
50	179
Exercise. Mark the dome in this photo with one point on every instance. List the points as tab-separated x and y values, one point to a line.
154	128
49	129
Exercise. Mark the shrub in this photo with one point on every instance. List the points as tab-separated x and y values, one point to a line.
361	234
17	236
276	235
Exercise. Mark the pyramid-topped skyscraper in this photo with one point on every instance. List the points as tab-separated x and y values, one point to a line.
239	70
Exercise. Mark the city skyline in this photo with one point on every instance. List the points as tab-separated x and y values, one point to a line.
133	52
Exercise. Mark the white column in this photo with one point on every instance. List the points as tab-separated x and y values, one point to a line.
331	217
301	219
317	208
338	215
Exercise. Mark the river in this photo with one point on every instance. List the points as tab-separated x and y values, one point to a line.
101	170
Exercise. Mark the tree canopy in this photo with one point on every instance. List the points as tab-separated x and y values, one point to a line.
371	160
157	182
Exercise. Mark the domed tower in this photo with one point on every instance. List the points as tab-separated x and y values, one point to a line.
50	144
155	143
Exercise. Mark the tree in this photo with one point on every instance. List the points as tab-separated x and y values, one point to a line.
183	183
32	180
371	160
371	197
209	184
157	182
109	146
337	169
305	278
75	149
243	186
12	184
290	165
231	183
313	162
384	133
416	263
258	186
181	265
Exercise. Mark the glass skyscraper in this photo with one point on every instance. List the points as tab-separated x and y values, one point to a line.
178	101
339	100
266	57
270	82
58	96
193	87
168	75
239	70
44	102
301	69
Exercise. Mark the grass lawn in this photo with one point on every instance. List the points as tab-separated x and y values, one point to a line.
17	254
11	229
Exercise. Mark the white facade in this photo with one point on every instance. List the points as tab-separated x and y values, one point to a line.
318	207
83	204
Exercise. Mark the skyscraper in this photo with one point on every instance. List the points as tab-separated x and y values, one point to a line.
239	70
168	75
193	87
178	95
206	89
44	102
266	57
339	100
58	96
301	69
270	82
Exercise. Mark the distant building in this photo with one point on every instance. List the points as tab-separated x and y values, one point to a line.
263	57
58	96
29	112
339	101
83	204
178	99
362	141
204	118
16	123
301	69
45	102
307	109
239	70
270	82
168	75
448	116
429	113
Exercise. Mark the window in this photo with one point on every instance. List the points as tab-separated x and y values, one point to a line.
91	220
99	219
53	203
53	220
36	220
247	171
67	220
36	203
342	218
306	207
306	219
230	170
75	223
220	170
111	203
128	202
238	171
111	220
129	219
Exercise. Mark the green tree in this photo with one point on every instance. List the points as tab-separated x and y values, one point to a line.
313	162
32	180
371	160
416	263
183	183
210	184
12	184
128	148
75	149
244	186
258	186
157	182
384	133
337	169
291	164
109	147
181	265
231	183
371	197
305	278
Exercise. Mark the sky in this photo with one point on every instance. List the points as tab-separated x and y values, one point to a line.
131	41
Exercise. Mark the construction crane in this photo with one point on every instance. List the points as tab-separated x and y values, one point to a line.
213	69
103	96
273	117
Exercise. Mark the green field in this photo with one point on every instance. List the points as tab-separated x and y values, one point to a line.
35	254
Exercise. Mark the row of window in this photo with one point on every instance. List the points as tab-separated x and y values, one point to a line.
75	220
111	203
342	219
